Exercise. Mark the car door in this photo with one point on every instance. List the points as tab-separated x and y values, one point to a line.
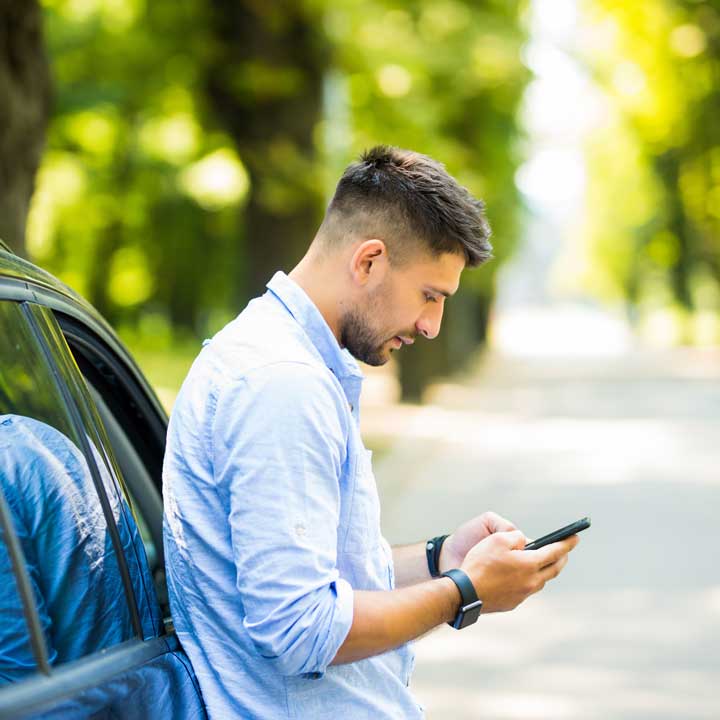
88	637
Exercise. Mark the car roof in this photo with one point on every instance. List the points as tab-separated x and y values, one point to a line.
12	266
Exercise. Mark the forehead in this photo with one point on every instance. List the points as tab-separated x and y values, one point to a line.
440	273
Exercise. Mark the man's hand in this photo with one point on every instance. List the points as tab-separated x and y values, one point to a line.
504	574
457	546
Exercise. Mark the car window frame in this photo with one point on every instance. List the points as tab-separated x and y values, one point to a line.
41	692
106	375
76	420
104	368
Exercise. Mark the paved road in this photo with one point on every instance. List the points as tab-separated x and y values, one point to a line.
631	629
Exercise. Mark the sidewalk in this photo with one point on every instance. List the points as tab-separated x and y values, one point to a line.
631	629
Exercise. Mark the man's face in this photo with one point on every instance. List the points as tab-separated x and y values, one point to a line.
409	301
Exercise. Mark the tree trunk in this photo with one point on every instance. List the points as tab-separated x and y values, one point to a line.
265	86
668	168
24	113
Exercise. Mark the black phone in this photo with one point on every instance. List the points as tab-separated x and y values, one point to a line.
560	534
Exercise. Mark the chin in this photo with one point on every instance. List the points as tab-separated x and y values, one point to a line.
377	360
380	357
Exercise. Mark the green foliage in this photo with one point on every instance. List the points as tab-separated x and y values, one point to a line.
136	201
655	166
193	144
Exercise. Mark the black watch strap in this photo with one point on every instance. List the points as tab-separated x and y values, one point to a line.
470	604
432	552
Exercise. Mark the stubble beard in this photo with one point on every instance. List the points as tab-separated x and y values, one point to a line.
357	334
361	341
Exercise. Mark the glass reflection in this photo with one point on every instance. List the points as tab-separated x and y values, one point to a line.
63	535
56	514
16	655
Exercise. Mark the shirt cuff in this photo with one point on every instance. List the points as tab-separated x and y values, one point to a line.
339	627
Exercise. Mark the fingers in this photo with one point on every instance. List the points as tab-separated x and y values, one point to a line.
506	576
549	572
550	554
497	523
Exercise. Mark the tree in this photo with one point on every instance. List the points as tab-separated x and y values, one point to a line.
24	113
193	144
654	219
265	83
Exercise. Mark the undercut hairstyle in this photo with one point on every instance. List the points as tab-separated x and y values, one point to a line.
409	201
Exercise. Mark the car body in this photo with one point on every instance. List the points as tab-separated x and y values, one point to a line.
85	627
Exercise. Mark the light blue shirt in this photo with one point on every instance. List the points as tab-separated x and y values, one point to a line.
272	520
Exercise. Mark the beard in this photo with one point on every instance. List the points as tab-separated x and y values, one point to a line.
361	340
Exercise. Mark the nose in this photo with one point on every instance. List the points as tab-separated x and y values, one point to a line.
428	324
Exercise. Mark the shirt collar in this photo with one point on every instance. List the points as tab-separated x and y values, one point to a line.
303	309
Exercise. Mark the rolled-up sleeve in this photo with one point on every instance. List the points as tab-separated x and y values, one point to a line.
279	447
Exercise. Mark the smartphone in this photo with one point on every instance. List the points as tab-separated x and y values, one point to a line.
560	534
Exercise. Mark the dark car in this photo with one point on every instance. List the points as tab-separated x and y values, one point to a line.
85	627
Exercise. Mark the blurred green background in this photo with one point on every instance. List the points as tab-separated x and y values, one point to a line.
186	150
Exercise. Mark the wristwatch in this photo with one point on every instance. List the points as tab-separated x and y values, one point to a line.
432	553
470	604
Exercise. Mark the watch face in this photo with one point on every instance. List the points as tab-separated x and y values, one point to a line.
468	614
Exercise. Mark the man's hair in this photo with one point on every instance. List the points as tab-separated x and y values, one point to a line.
409	201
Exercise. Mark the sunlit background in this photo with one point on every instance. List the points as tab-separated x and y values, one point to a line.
191	149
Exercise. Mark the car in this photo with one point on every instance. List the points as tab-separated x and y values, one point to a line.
85	625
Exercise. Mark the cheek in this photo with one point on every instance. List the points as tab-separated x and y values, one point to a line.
396	312
403	324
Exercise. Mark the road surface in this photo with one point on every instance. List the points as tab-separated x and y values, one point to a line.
631	629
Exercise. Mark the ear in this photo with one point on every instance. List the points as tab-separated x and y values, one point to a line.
369	262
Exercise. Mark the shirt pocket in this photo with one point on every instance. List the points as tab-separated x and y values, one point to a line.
363	533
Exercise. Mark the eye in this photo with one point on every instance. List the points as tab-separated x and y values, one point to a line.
430	298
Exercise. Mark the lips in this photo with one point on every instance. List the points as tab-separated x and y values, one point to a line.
400	340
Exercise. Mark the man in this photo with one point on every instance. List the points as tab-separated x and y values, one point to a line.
284	593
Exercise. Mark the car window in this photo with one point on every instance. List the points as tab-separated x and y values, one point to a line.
55	478
125	515
135	427
143	495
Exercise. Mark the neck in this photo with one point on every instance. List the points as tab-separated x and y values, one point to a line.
319	281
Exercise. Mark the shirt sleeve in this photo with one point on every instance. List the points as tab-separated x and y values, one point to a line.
279	448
